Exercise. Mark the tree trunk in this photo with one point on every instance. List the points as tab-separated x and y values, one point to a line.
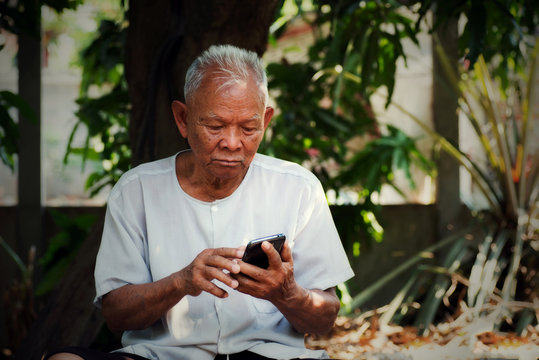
444	114
163	38
159	52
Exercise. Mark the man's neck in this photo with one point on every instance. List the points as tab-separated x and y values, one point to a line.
201	185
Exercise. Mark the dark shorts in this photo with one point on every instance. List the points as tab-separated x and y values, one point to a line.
90	354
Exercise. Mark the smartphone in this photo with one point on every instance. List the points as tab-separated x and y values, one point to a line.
254	253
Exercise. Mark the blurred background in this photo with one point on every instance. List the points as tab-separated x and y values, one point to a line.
419	118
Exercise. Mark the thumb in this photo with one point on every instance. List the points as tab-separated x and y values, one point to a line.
286	253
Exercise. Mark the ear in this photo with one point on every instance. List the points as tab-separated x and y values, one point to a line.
179	110
268	114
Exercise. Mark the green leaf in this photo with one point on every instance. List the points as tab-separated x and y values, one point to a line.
440	285
9	99
16	259
371	290
52	276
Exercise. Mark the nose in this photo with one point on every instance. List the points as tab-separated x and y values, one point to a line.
231	139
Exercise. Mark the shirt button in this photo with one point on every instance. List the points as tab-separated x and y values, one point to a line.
214	208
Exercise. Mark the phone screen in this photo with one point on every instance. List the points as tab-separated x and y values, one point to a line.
254	253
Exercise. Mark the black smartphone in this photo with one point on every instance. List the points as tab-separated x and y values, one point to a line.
254	253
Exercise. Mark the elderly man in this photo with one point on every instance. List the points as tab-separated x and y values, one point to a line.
169	272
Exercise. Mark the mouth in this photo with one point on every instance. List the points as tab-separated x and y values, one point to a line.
227	162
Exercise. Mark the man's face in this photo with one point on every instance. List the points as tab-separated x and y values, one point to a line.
224	127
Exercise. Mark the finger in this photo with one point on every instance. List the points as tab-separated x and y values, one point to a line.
232	253
274	258
251	271
241	278
218	258
199	279
215	290
247	285
217	274
241	250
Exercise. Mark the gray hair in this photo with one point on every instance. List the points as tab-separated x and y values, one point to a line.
230	64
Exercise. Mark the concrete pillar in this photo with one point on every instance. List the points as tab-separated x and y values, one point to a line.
30	209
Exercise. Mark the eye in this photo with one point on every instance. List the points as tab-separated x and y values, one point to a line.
214	127
249	130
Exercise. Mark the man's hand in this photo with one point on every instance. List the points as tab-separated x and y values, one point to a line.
208	265
139	306
309	311
276	283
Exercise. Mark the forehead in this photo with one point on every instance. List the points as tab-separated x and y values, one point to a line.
218	83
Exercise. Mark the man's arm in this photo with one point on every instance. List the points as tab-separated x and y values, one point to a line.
311	311
133	307
308	310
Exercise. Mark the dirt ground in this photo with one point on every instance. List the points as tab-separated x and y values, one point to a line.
467	337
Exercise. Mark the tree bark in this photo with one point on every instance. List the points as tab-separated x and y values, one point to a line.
445	118
163	39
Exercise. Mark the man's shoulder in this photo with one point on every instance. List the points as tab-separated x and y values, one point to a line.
280	167
151	168
145	170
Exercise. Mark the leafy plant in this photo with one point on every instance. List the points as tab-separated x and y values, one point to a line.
62	248
498	265
21	297
320	112
499	31
376	163
105	116
20	17
24	16
9	130
324	101
18	298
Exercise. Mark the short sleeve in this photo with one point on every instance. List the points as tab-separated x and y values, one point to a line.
122	256
320	261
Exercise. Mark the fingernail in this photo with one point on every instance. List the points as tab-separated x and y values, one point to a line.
235	284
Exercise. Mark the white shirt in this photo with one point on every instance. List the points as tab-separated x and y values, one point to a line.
153	228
